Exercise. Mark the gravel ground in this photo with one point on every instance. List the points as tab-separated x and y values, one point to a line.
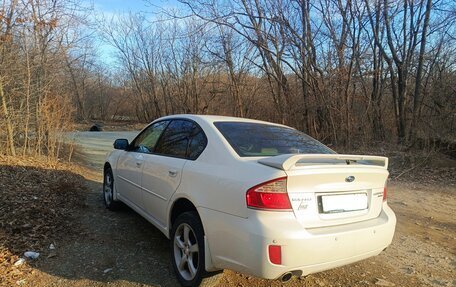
122	249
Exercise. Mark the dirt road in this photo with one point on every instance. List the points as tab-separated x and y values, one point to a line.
122	249
91	147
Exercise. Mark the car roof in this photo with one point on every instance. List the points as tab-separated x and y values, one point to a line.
216	118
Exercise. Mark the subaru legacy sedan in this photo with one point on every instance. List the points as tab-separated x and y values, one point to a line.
250	196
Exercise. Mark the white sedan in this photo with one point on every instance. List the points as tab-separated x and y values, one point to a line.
251	196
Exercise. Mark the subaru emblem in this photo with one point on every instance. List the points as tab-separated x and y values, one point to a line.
350	178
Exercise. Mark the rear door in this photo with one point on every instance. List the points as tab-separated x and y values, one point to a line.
163	168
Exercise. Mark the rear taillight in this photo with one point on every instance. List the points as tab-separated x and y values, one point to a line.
269	195
384	193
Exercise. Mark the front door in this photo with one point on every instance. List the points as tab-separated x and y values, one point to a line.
128	180
131	163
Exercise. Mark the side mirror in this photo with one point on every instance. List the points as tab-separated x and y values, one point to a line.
121	144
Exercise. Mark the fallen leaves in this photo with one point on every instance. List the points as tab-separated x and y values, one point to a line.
38	203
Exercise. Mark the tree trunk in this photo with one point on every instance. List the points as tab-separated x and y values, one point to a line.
9	125
417	95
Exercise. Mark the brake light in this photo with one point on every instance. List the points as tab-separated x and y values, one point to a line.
384	193
269	195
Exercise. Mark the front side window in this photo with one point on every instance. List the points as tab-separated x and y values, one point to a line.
147	140
256	139
183	139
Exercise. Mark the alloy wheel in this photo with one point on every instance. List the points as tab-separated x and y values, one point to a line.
108	188
186	251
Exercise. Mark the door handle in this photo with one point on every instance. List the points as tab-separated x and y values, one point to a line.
138	164
172	173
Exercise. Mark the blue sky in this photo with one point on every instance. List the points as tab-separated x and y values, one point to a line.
118	5
114	7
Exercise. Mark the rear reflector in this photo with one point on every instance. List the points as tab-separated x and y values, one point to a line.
275	254
269	195
384	193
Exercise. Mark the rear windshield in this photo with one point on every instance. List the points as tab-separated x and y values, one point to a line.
254	139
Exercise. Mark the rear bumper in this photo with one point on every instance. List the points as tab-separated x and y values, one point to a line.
241	244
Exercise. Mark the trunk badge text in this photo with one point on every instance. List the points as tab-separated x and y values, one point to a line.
350	178
303	202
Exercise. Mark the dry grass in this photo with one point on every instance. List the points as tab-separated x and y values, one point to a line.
38	201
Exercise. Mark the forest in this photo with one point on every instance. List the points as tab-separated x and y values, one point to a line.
347	72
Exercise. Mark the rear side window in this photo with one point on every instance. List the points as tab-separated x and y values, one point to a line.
197	144
183	139
254	139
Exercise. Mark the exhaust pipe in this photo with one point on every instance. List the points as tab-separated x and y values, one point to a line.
286	277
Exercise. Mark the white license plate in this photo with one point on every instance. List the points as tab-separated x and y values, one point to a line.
343	202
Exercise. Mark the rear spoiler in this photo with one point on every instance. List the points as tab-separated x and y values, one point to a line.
287	161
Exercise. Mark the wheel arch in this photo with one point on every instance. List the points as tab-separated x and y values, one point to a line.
181	205
106	166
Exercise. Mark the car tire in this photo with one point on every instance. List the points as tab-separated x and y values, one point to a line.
187	252
108	191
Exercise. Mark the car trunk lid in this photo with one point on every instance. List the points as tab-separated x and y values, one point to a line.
333	189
